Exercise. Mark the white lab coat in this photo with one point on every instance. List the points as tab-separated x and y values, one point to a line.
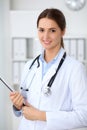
66	107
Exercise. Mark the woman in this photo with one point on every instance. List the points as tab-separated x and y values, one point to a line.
63	104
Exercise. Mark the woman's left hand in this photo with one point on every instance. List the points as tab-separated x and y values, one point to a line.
32	113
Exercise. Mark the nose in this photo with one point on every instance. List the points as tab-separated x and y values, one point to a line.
46	35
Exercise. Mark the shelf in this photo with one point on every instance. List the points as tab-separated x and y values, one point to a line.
20	60
24	49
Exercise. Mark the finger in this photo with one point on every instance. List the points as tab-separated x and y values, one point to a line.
13	96
27	103
12	93
18	99
23	109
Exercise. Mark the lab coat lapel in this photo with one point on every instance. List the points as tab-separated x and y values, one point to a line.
34	75
30	77
39	73
52	70
49	74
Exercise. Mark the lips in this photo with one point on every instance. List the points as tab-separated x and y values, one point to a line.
46	42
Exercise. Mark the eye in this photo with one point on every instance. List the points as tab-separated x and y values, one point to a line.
53	30
41	30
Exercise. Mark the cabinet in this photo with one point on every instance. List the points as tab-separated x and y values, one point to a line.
77	47
24	49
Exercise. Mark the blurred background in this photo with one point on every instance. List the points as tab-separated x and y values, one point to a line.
19	43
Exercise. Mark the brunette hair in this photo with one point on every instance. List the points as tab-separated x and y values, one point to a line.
57	16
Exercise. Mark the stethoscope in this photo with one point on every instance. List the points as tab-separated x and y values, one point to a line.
47	90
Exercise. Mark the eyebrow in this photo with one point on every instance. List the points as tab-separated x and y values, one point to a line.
48	28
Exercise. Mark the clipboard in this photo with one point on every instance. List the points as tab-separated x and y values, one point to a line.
9	87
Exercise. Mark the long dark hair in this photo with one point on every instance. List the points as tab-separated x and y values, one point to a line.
57	16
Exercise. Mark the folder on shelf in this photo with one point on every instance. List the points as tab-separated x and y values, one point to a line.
37	47
67	45
21	68
16	73
73	48
30	48
19	49
81	50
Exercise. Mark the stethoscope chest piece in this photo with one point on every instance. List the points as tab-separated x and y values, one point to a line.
47	91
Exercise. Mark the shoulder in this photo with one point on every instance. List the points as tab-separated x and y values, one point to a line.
74	66
26	67
31	64
72	62
25	70
28	63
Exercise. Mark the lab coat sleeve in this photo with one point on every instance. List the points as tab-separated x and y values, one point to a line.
16	111
22	84
78	116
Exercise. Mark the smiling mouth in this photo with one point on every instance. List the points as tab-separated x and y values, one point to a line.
46	42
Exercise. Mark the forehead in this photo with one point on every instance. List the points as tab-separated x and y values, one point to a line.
47	23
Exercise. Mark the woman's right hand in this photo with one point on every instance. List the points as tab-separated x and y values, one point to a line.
17	99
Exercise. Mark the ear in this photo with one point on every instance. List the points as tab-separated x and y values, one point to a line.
63	32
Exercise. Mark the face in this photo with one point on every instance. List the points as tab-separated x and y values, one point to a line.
49	34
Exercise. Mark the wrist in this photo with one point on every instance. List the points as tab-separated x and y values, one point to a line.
42	116
18	107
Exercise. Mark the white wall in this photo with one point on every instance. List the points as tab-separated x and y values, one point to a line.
35	4
2	114
5	70
24	13
76	26
76	20
23	23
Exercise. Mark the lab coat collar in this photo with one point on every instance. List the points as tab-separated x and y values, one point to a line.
42	55
53	68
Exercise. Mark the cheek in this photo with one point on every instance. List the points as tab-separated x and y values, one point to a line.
39	36
57	39
40	39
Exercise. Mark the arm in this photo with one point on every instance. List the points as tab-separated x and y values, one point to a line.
16	105
32	113
17	100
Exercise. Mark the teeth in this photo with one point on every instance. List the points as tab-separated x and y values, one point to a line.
46	42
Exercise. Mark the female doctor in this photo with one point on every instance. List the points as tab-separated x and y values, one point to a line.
54	85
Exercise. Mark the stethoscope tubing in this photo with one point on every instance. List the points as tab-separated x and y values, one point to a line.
54	76
47	90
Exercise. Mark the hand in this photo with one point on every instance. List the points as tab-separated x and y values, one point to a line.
17	99
32	113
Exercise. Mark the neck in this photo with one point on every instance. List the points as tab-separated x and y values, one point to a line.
50	54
